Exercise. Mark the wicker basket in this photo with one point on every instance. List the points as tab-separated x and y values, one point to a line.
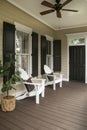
8	104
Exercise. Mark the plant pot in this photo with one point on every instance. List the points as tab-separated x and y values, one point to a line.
8	103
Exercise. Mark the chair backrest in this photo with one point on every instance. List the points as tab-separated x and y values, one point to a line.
47	69
23	74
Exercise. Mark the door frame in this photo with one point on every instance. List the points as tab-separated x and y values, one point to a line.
77	35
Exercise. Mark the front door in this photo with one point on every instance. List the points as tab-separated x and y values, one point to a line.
77	63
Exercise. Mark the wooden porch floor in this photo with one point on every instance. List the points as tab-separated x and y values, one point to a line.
63	109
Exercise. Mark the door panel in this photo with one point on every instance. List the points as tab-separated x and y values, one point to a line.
77	63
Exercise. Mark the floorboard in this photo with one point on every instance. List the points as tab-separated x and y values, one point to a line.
63	109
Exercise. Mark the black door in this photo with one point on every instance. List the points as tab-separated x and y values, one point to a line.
77	63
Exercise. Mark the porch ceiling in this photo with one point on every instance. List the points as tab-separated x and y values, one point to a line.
68	20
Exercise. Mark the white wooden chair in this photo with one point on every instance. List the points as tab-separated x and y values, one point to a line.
53	78
39	87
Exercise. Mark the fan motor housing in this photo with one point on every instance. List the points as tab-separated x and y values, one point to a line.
57	1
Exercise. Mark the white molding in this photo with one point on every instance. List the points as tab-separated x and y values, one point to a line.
86	59
68	59
76	35
22	27
70	27
49	37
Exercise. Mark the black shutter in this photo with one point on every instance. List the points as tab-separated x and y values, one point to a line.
43	53
57	55
8	45
34	54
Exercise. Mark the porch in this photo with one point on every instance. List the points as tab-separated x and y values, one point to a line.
63	109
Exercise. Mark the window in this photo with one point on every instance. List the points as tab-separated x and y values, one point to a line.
23	48
77	41
49	52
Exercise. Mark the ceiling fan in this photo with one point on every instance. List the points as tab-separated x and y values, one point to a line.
56	7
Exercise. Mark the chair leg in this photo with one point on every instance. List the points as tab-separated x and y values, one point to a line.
54	86
37	99
43	93
61	84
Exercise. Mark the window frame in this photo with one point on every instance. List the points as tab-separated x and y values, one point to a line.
49	38
25	29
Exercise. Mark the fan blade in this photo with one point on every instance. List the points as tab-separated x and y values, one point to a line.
65	3
70	10
58	14
47	4
47	11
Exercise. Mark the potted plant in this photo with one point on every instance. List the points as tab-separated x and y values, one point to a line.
8	102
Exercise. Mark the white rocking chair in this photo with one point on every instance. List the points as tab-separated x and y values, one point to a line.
53	78
39	87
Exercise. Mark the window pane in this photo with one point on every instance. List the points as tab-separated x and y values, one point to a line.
76	41
22	40
22	49
48	60
24	60
48	48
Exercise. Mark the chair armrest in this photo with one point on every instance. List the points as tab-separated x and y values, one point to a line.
32	83
36	85
59	75
54	76
51	77
37	80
